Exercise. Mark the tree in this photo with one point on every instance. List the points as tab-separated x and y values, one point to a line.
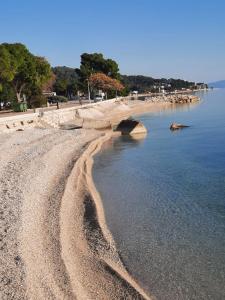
22	69
60	87
66	83
48	85
117	85
7	93
103	82
6	72
72	88
96	63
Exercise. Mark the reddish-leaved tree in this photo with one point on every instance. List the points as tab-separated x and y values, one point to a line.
103	82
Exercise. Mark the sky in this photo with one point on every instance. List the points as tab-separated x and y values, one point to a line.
162	39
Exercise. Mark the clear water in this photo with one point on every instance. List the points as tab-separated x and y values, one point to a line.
164	200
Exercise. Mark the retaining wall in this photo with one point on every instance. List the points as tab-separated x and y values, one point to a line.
52	118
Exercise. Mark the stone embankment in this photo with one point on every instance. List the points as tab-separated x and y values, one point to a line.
101	115
83	115
180	99
19	122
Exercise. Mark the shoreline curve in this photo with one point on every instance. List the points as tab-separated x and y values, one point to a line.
90	257
55	243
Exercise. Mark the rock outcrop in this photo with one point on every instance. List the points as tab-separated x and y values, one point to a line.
175	126
183	99
175	99
130	127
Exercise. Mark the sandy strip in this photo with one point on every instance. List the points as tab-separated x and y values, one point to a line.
54	242
97	272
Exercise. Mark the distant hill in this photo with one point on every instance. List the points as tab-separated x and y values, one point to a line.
65	73
217	84
145	83
67	79
137	83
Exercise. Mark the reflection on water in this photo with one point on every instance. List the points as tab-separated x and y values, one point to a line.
185	107
139	137
120	142
164	199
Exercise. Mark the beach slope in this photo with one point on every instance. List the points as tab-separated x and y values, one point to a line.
54	242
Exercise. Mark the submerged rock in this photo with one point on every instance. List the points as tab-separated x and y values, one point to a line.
130	127
175	126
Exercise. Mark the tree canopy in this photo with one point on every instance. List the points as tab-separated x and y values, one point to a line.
21	69
96	63
103	82
145	83
21	72
66	83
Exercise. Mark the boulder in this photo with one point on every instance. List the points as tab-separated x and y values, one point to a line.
130	127
175	126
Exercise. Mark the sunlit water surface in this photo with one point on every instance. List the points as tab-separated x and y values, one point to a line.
164	200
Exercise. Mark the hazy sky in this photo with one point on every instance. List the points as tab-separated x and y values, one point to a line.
176	38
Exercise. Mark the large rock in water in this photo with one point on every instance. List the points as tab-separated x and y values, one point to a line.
175	126
130	127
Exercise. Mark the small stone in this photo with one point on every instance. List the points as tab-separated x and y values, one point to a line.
17	259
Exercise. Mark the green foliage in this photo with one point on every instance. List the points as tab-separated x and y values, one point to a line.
66	83
60	86
125	92
137	83
42	72
6	71
96	63
55	99
36	101
177	84
65	72
21	69
146	84
7	93
21	72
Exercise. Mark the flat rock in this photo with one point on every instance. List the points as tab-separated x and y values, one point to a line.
175	126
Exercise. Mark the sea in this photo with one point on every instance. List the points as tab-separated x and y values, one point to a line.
164	200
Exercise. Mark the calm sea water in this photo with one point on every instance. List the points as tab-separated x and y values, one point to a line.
164	199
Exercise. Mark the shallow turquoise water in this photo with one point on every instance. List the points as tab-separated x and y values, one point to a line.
164	200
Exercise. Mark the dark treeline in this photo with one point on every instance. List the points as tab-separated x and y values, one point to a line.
67	82
148	84
26	77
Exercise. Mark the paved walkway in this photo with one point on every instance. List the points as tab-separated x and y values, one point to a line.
9	113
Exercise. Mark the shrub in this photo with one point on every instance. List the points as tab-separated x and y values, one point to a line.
37	101
55	99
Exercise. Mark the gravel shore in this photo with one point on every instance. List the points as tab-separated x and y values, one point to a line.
54	242
34	166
